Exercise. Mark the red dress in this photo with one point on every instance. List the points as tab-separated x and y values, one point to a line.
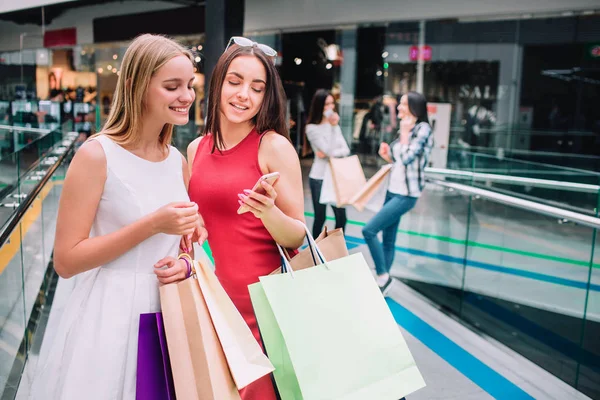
242	247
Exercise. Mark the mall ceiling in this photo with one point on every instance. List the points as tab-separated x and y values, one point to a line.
53	11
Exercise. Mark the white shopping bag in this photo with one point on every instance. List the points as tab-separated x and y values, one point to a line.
328	189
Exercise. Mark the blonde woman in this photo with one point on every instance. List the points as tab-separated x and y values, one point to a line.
123	207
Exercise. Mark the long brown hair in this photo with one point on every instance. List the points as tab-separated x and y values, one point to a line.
271	114
317	105
143	58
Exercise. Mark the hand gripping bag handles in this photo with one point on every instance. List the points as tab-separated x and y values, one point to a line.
330	334
224	353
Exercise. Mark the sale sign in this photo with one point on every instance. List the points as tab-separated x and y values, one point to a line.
414	53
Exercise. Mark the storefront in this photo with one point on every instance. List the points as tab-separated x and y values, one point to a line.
68	79
515	84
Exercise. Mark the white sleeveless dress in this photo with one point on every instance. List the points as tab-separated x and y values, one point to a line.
93	349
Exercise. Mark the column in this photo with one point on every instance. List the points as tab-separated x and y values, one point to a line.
347	81
223	19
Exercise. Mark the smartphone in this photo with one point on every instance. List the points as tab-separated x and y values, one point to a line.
270	178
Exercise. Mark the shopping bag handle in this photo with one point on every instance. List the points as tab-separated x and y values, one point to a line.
312	253
314	248
313	245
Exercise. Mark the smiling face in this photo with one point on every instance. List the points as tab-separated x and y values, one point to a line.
243	89
403	110
170	93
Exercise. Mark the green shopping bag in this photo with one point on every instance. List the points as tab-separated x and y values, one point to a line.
330	335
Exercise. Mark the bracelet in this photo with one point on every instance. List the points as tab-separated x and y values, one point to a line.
186	256
188	261
189	269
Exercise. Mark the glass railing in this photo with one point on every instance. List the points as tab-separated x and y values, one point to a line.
32	177
524	273
572	160
576	189
571	141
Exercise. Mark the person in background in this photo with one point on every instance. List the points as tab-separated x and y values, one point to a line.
326	139
409	154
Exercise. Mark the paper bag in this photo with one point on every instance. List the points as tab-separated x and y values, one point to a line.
372	194
348	178
246	360
331	243
200	369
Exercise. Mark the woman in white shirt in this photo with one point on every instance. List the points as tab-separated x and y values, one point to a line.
327	141
409	154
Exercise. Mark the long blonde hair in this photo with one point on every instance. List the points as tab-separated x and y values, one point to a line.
143	58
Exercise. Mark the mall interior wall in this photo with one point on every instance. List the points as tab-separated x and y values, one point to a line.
80	18
289	15
14	5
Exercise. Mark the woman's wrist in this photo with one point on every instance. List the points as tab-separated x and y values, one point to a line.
186	259
270	214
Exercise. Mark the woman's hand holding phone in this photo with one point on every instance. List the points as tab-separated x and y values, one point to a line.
261	198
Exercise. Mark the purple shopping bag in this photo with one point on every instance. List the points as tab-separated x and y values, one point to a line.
154	379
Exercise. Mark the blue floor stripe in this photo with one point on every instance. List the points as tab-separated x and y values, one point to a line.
490	267
483	376
351	246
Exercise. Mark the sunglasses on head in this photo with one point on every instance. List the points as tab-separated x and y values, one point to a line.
245	42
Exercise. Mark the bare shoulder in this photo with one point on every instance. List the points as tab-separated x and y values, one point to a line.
273	142
90	154
193	146
276	153
88	167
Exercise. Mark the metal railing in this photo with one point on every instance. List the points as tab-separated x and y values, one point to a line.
528	205
513	180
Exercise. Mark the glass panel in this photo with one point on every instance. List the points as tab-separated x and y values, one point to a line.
526	283
430	247
588	378
579	161
24	256
580	193
9	173
24	113
32	250
12	312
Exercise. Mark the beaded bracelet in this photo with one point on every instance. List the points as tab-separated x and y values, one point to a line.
189	268
188	261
